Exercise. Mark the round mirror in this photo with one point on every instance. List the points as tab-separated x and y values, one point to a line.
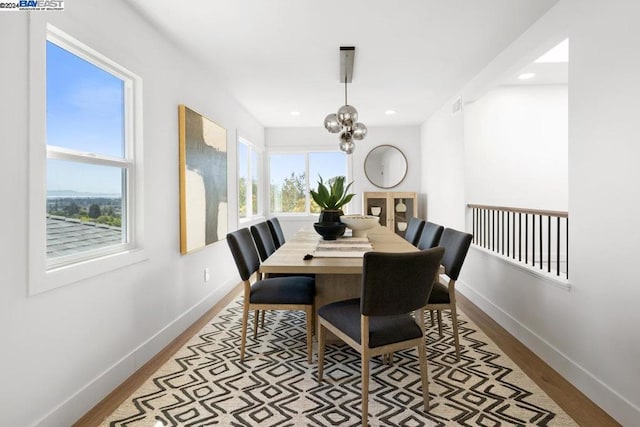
385	166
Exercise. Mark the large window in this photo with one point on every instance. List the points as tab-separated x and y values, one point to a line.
90	137
249	172
292	175
88	160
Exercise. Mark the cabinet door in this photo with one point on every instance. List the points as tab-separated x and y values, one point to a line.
395	209
376	204
403	210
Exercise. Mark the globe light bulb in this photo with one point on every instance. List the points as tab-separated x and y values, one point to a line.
359	131
331	123
347	115
346	142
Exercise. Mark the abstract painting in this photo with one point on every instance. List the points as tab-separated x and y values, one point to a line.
203	180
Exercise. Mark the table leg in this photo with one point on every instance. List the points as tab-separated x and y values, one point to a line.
335	287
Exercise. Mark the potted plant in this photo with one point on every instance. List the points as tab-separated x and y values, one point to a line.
330	198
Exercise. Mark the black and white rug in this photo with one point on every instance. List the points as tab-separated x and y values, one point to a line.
205	383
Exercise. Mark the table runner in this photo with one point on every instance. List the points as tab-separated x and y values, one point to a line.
344	247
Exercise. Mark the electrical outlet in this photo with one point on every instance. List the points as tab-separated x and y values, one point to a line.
207	276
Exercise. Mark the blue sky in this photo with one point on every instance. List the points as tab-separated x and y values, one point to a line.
85	112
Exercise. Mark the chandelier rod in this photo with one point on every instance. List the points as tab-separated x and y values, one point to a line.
345	89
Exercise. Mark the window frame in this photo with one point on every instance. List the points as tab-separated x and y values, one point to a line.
306	153
251	148
45	274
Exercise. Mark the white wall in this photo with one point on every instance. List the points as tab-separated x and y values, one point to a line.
64	350
443	168
516	141
588	334
406	138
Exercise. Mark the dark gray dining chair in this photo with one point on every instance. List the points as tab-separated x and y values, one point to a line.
394	285
263	240
414	230
280	293
276	231
430	237
443	297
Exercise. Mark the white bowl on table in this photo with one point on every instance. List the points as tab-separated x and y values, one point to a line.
360	224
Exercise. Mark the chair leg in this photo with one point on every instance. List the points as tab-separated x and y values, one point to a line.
439	322
322	334
245	320
256	318
432	317
424	373
262	318
454	326
365	389
309	313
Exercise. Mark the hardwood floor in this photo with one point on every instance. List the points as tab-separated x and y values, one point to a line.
574	403
110	403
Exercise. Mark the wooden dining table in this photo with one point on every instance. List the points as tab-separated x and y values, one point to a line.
336	278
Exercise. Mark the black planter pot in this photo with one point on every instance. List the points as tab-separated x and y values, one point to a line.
329	225
330	216
329	230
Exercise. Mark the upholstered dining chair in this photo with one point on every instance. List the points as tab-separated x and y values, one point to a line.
280	293
414	230
394	285
265	245
276	231
263	240
430	237
443	297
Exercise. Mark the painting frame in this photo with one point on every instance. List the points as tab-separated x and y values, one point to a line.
203	180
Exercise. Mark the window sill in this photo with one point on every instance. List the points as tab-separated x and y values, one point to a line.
250	221
43	281
295	216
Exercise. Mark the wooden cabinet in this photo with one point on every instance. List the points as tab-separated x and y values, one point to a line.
395	209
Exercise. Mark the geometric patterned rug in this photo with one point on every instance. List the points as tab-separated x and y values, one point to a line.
205	384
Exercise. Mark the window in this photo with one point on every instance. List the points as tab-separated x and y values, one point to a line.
249	170
292	175
90	138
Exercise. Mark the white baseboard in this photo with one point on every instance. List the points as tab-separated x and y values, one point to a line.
75	406
608	399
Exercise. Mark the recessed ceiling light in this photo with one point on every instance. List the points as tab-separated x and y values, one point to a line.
295	113
390	112
526	76
560	53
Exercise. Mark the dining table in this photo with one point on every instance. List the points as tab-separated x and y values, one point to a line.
338	277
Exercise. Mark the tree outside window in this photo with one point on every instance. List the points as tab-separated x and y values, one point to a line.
249	169
292	175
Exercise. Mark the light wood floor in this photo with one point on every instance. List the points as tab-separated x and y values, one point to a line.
574	403
569	398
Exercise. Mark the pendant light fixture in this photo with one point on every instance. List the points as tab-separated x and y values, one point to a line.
345	121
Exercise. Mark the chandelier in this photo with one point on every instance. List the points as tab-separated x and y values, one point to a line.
345	121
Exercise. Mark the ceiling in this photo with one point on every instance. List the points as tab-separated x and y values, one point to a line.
552	68
279	56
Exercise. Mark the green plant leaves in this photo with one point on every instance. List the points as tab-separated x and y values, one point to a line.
333	197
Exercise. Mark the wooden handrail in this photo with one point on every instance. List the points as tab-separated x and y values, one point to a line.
560	214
